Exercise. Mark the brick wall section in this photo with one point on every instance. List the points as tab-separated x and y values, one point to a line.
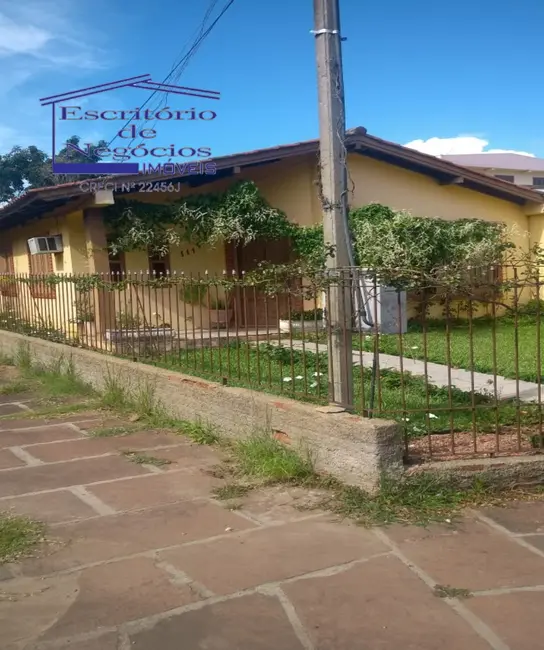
354	449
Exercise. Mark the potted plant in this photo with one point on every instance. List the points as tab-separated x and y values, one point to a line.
84	316
313	319
219	314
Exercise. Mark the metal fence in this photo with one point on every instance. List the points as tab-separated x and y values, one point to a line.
460	370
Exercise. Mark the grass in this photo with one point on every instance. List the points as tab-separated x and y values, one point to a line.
17	386
404	397
145	459
446	591
231	491
261	456
111	432
18	535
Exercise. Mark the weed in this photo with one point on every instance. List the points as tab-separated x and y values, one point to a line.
114	394
111	432
144	459
23	358
203	433
17	536
418	499
231	491
144	400
17	386
262	456
445	591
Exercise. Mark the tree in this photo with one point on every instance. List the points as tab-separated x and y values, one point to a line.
25	168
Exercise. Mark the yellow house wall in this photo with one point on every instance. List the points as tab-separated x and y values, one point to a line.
400	189
58	312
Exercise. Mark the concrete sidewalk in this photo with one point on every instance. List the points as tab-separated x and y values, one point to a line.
438	373
145	558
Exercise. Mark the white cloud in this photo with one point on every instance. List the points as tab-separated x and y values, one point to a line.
458	145
20	39
44	35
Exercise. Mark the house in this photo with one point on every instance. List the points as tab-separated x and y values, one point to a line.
379	171
526	171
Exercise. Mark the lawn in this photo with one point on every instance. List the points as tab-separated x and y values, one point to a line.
409	399
502	346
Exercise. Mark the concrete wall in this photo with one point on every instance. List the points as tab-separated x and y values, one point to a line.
353	449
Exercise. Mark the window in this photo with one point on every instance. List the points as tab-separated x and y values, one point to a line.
159	264
117	263
538	180
505	177
40	265
8	286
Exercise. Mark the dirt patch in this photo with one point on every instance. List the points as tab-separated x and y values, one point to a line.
446	446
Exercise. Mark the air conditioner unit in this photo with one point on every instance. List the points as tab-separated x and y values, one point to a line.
42	245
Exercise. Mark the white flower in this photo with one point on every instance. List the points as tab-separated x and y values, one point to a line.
299	377
406	419
313	384
414	347
317	374
287	379
432	416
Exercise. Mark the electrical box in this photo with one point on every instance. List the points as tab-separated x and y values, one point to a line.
384	307
42	245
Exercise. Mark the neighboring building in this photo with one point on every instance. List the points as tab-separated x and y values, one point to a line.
379	171
526	171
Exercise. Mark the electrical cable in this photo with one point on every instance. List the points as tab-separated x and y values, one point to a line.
186	58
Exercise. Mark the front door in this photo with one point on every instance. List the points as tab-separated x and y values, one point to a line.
257	309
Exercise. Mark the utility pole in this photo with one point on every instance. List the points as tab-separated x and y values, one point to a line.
333	168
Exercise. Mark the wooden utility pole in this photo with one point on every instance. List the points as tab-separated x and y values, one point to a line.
333	167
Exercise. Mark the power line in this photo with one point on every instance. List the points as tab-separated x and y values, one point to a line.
185	59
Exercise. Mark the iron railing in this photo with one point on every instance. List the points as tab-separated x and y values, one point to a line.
460	369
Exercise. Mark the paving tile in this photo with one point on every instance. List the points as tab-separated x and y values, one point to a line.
96	446
51	507
48	477
273	554
154	490
104	538
535	540
111	594
11	409
381	605
516	618
33	422
519	517
475	557
280	503
249	623
28	607
8	460
30	436
188	456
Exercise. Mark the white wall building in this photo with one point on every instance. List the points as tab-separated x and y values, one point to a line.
526	171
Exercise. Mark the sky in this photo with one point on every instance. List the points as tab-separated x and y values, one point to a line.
440	77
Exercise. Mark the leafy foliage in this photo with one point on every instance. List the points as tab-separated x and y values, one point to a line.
25	168
421	252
